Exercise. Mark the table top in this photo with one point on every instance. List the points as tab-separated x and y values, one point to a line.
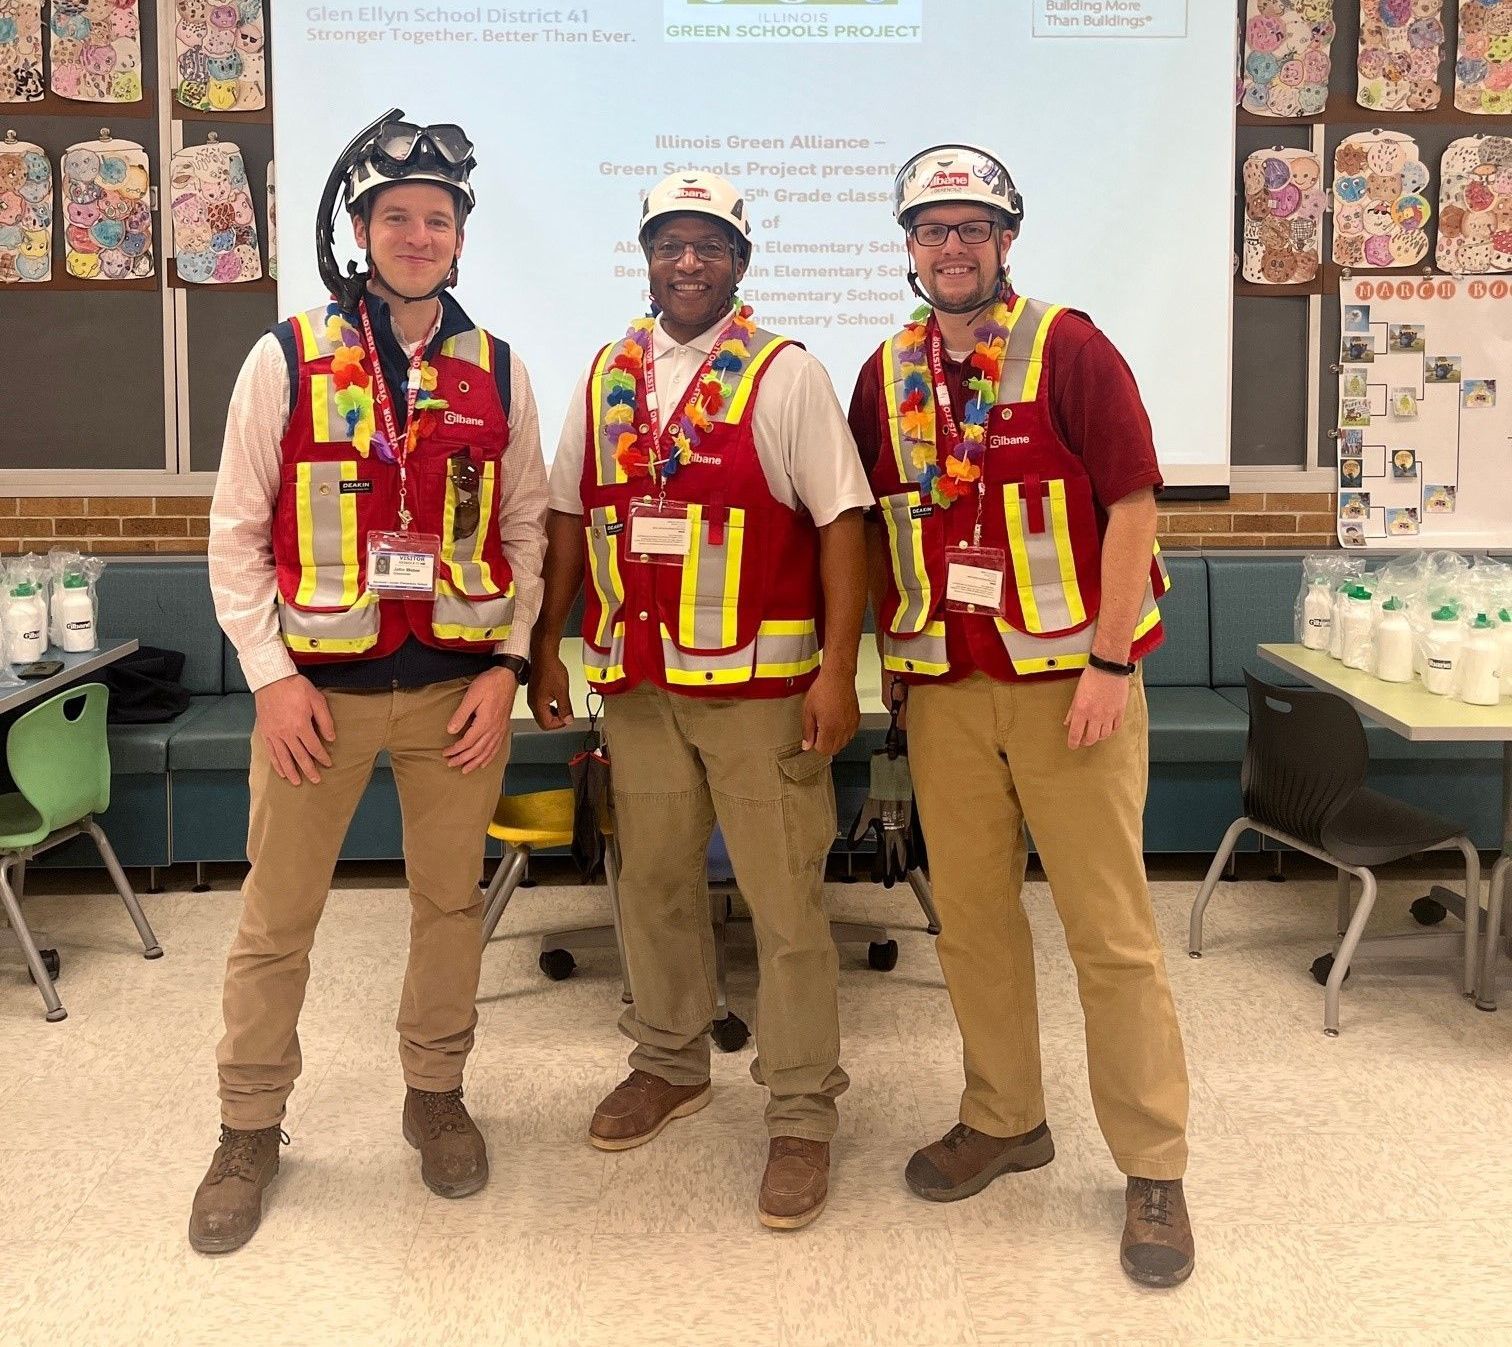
76	667
1407	708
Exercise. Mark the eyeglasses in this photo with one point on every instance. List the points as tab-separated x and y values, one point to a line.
705	250
933	235
464	478
400	141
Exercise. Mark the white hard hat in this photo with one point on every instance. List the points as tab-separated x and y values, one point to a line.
698	194
397	151
947	173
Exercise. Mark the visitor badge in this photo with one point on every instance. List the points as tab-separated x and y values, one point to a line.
975	581
661	533
403	565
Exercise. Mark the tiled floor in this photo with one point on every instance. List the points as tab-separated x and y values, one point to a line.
1351	1191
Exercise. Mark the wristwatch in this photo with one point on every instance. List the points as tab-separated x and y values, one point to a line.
516	664
1108	666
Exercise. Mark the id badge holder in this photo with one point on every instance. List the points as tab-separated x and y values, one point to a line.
976	581
403	565
661	532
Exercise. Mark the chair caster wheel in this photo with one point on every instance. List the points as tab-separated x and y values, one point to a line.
55	1016
1322	966
730	1034
51	962
882	955
1428	911
557	964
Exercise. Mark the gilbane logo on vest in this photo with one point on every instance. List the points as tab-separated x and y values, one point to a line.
713	460
457	419
1003	441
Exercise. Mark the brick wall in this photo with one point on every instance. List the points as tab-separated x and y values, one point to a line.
116	524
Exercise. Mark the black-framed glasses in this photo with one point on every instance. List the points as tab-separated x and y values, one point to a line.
705	250
401	141
934	234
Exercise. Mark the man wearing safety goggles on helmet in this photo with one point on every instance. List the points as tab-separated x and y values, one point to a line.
706	474
1015	576
376	542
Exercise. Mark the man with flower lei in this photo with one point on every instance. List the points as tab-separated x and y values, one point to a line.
381	438
708	482
1015	578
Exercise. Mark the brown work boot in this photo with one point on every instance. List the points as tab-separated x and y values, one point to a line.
796	1183
228	1203
964	1161
453	1156
639	1107
1157	1248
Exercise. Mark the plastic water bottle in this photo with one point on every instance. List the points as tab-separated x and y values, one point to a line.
25	624
1336	626
1317	616
1504	635
76	618
1480	680
1394	644
1359	624
1441	659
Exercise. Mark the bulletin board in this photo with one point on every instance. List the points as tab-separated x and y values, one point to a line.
1425	412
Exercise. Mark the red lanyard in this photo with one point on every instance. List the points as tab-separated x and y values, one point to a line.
385	404
653	412
942	388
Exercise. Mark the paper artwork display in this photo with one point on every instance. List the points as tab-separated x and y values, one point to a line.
1401	44
220	55
95	50
214	225
26	213
1284	204
1287	57
1483	68
1475	206
1381	212
108	219
20	51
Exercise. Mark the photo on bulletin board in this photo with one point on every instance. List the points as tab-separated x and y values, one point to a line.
1478	393
1356	412
1443	369
1356	383
1404	465
1351	472
1404	403
1354	504
1352	443
1358	348
1402	522
1406	337
1357	318
1439	499
1352	535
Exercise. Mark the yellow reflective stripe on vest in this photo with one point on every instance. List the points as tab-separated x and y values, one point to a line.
326	519
347	632
709	598
468	571
924	654
1060	531
736	406
905	545
1165	575
614	670
686	669
470	346
456	617
1044	567
327	424
1024	362
1055	654
609	471
604	571
1018	551
787	648
1037	357
309	348
890	385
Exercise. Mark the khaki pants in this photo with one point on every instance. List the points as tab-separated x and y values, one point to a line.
293	841
680	763
987	757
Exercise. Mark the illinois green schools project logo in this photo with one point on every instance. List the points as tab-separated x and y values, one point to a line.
793	20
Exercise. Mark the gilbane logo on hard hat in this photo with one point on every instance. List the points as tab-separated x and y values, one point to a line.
693	194
943	181
702	194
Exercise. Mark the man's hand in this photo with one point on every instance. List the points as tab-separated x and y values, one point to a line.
293	719
484	716
1097	710
549	684
831	714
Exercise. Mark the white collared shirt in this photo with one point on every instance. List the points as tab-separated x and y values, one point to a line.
805	446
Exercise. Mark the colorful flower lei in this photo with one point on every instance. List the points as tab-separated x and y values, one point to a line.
962	467
625	380
354	390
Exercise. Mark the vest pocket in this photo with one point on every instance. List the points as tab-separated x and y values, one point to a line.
343	631
457	616
1054	551
914	532
333	507
602	536
708	620
469	512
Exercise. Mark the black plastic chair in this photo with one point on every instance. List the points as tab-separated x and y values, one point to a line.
1303	784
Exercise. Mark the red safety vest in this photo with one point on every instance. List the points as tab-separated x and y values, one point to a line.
1038	509
332	495
740	616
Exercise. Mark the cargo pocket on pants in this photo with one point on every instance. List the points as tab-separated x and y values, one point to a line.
808	808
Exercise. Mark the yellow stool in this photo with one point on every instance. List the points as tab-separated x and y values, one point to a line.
526	823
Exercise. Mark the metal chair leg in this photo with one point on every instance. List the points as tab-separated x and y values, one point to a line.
1345	952
1491	955
40	975
1341	919
1472	913
721	1003
611	880
150	947
201	884
1231	838
918	881
505	880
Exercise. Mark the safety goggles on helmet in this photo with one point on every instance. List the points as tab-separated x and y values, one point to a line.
395	151
400	142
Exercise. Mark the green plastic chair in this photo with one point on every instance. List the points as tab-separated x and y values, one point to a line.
60	762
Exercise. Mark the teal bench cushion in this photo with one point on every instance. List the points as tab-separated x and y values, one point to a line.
139	750
1182	660
167	604
219	740
1252	601
1194	725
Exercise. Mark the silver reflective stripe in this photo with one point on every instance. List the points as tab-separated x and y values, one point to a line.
606	433
601	668
464	551
924	654
315	324
905	544
1165	575
327	518
1042	559
603	569
1018	364
786	649
1045	654
454	617
466	346
701	670
349	631
710	594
